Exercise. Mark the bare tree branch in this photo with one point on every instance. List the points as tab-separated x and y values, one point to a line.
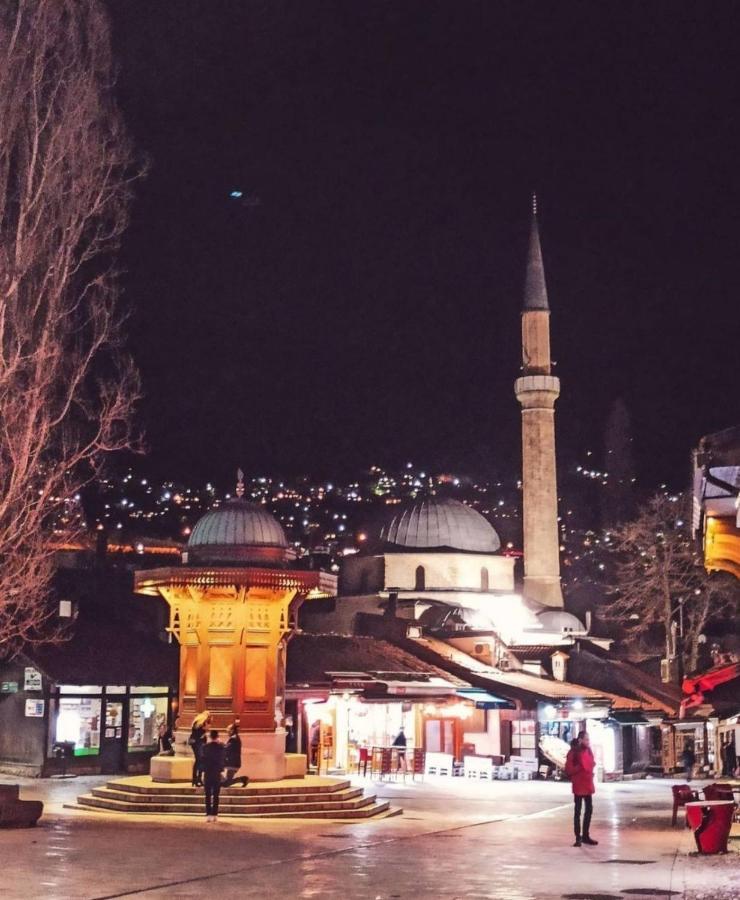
660	581
66	388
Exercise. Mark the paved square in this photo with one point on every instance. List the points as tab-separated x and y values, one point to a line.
506	840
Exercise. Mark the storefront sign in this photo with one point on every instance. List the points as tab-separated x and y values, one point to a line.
31	679
8	687
35	709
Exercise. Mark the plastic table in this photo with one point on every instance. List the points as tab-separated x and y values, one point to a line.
711	821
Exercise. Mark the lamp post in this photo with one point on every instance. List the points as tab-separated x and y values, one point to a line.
677	637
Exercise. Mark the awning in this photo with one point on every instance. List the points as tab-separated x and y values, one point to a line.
628	717
484	700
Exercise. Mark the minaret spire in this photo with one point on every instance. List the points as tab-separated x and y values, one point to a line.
239	483
535	288
537	390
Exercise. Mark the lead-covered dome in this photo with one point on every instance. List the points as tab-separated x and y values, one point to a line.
237	532
558	621
439	523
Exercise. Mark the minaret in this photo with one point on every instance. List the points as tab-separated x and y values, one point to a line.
537	390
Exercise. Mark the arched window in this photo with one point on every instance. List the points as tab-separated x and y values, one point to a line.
484	579
420	579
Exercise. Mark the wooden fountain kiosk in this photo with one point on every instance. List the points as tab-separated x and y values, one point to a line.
233	605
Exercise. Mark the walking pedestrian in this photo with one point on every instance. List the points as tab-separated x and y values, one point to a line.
212	763
579	765
196	742
688	760
400	744
233	757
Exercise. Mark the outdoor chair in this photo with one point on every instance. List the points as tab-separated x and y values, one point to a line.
363	760
418	763
682	794
718	792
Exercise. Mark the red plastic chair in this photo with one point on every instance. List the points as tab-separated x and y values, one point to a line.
363	760
682	794
718	792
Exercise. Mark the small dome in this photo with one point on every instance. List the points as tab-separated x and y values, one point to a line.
558	621
439	523
237	531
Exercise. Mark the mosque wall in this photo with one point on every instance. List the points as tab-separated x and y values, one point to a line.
361	575
425	571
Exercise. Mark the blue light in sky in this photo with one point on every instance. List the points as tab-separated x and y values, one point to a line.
235	195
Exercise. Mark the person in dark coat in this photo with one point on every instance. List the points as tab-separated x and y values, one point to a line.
729	758
196	742
579	765
165	739
400	743
688	760
212	765
233	758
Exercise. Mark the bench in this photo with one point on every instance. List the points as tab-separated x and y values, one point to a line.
17	813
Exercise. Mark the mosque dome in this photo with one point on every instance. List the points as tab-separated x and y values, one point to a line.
237	532
558	621
438	523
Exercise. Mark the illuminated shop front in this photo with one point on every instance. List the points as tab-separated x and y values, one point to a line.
111	725
92	705
347	693
624	742
566	720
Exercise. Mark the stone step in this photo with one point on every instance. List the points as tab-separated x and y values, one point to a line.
131	804
130	787
364	807
379	809
229	797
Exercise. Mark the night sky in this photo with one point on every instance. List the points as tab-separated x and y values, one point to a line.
360	303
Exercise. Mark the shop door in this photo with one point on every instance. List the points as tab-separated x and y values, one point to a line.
112	738
439	736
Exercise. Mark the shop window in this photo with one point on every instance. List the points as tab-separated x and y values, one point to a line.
78	721
145	715
523	737
219	672
420	579
255	673
484	579
191	670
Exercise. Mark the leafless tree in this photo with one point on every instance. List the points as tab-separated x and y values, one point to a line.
661	583
66	386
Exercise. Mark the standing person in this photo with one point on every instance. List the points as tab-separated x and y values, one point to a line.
688	760
196	742
729	758
233	757
400	743
579	765
212	763
165	739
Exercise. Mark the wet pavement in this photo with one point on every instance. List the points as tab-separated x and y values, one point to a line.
504	840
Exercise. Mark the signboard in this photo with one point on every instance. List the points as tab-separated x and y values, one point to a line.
31	679
35	709
8	687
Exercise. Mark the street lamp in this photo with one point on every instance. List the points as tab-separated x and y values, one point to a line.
677	637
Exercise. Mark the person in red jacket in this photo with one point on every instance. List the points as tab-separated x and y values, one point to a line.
579	765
